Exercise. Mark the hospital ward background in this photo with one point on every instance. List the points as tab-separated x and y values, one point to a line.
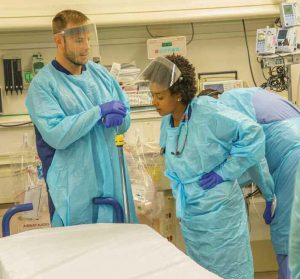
232	45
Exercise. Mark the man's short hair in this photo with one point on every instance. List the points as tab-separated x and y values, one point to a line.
61	20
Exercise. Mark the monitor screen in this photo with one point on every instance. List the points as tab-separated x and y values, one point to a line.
261	36
288	9
282	34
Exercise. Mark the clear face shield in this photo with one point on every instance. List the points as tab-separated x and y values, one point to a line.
160	75
81	44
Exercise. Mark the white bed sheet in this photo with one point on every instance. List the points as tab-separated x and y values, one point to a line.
118	251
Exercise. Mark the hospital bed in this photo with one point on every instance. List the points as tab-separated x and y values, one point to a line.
119	251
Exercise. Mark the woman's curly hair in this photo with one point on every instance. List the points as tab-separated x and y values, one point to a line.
186	84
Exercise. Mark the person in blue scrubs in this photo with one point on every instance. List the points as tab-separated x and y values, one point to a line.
77	108
207	146
294	258
280	120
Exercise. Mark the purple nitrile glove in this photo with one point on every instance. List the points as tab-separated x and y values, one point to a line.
113	120
210	180
268	213
112	107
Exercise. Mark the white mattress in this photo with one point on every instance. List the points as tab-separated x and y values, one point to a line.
95	251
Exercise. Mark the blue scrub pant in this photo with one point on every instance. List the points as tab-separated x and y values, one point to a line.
283	263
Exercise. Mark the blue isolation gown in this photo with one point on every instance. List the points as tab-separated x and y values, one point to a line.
280	120
65	110
214	221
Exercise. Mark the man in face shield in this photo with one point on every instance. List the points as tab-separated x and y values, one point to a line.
77	108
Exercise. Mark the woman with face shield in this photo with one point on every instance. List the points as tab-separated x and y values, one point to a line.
207	146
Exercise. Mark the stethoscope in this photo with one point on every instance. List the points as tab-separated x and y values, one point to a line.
184	123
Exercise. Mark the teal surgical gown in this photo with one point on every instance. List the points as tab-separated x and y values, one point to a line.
214	221
259	173
65	110
282	154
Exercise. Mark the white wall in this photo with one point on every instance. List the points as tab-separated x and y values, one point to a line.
15	14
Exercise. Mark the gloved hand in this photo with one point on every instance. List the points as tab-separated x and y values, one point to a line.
112	107
268	213
210	180
113	120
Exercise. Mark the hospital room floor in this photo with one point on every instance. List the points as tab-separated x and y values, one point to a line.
265	275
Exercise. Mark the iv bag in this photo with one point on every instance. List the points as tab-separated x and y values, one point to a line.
144	169
33	195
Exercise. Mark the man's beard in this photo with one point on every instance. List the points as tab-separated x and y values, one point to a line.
71	57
